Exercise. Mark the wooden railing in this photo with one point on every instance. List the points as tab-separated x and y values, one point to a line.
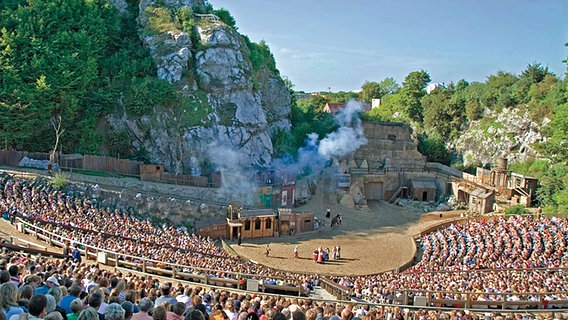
502	302
172	270
338	291
201	275
405	298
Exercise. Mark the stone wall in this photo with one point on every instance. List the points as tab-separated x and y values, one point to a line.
390	145
388	161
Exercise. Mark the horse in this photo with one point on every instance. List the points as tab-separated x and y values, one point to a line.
336	221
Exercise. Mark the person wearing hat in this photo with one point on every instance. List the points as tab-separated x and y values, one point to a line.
49	283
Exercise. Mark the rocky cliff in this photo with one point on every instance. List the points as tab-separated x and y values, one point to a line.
239	108
509	133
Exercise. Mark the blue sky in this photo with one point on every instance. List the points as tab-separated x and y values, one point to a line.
339	44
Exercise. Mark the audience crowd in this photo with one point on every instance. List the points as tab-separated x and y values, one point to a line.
486	258
85	223
83	291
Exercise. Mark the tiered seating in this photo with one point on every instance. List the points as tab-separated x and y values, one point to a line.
490	256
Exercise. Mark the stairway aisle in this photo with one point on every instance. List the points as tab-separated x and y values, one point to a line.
321	293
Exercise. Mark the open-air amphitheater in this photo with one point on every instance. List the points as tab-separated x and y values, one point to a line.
488	267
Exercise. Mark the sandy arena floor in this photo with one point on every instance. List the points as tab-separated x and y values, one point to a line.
372	241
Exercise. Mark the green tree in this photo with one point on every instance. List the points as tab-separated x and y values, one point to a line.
473	109
552	191
434	148
436	118
315	104
413	89
341	96
544	96
498	93
50	64
556	146
307	118
389	110
370	90
389	86
533	74
517	209
226	17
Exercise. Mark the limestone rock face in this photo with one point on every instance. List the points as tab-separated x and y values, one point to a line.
511	134
276	102
214	71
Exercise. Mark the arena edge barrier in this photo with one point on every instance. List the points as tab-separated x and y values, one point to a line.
175	272
440	305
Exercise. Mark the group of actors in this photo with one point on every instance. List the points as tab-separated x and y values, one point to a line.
321	255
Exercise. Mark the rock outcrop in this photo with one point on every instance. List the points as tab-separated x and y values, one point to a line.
215	71
512	135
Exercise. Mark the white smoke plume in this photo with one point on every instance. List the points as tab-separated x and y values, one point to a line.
348	138
339	143
236	179
238	182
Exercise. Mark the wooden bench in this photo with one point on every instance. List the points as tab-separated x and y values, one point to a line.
282	289
197	278
223	282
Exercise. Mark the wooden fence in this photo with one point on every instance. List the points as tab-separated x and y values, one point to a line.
185	180
12	158
79	162
112	165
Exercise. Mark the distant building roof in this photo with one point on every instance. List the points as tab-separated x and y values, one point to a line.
282	211
432	86
518	175
333	107
209	222
481	193
257	213
423	184
235	204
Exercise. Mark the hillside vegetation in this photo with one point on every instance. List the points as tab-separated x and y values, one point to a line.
110	77
84	61
521	117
